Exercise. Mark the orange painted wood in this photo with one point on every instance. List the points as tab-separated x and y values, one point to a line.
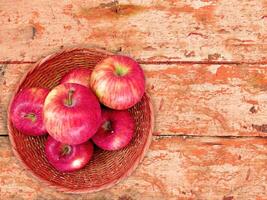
192	30
175	168
211	92
189	99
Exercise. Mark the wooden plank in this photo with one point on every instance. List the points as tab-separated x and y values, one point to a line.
189	30
174	168
190	99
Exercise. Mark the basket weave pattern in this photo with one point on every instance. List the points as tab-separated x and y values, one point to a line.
106	167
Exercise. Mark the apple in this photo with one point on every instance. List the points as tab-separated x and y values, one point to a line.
27	109
116	131
72	113
118	82
78	75
67	158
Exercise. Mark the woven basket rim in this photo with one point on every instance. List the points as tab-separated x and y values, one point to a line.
62	188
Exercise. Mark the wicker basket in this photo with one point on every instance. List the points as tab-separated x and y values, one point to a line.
106	168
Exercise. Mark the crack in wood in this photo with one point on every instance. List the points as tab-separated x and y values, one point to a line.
33	32
2	69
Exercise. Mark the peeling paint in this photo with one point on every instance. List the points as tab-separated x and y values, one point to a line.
261	128
213	68
107	12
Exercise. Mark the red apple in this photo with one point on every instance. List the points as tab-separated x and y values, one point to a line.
67	158
72	113
118	81
79	75
116	131
27	110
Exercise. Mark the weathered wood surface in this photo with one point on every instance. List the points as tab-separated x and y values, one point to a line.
175	168
190	99
205	63
192	30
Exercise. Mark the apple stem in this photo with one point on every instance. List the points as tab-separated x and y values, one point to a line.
121	71
65	150
30	116
107	126
70	94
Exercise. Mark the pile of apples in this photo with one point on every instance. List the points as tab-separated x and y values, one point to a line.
86	107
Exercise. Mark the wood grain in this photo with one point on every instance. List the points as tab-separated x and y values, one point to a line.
188	30
175	168
189	99
205	64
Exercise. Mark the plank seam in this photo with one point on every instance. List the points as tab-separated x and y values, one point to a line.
211	136
200	136
167	62
16	62
203	62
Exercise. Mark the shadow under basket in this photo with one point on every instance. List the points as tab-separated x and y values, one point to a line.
106	168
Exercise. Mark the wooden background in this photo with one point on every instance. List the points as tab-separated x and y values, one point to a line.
206	69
